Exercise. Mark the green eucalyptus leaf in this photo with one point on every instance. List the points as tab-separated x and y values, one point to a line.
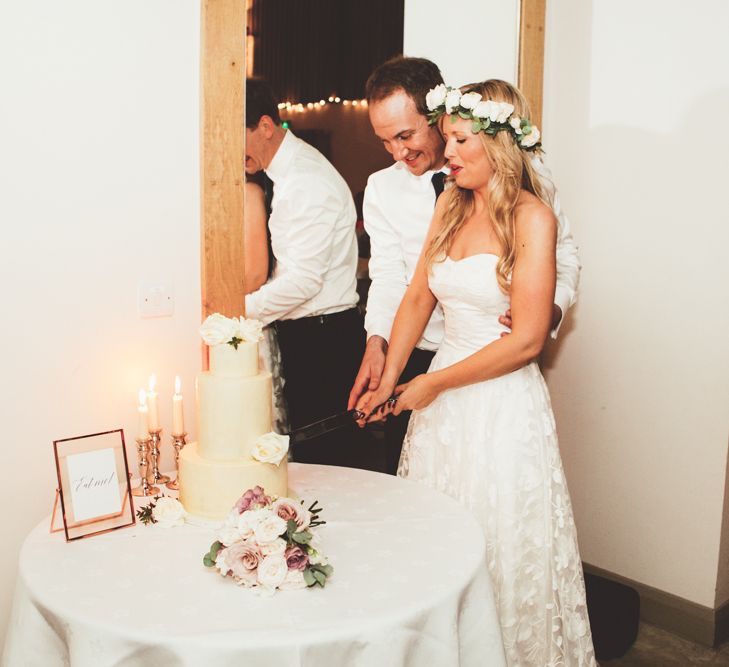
309	577
476	126
320	577
304	537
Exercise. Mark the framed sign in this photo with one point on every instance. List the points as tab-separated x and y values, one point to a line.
93	484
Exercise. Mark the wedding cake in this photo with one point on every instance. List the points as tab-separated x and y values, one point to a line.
236	449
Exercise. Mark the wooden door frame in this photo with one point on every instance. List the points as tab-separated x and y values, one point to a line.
222	88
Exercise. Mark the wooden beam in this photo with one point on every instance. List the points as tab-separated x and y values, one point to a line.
222	80
531	55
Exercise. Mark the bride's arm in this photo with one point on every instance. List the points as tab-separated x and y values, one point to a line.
411	319
532	295
255	239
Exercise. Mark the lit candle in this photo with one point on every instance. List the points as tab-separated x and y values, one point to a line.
153	419
178	418
142	413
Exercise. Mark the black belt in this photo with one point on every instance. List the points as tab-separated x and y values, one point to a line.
318	320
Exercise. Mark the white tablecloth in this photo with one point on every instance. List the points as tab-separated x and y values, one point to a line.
410	587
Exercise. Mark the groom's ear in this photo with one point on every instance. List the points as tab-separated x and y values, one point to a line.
266	126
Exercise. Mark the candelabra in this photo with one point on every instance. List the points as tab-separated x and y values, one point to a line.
154	476
178	442
145	488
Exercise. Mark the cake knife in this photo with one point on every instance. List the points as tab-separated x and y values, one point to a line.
329	424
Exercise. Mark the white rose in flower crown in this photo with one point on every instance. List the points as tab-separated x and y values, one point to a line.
271	448
515	122
168	512
275	548
269	528
272	571
217	329
251	331
530	139
483	109
470	100
502	112
436	96
452	100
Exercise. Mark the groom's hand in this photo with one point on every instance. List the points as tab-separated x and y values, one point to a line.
370	370
505	319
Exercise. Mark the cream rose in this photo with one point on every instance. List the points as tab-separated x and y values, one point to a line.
271	448
436	96
229	531
452	100
272	571
470	100
294	580
515	122
218	329
168	512
269	528
251	331
275	548
483	109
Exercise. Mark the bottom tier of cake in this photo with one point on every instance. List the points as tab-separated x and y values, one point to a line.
209	489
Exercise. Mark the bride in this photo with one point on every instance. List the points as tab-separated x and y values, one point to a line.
482	429
259	260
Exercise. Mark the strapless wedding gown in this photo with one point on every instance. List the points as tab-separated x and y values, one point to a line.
493	447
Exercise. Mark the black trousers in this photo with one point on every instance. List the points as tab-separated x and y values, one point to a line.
396	427
320	357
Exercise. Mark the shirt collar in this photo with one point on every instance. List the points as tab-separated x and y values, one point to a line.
427	176
283	158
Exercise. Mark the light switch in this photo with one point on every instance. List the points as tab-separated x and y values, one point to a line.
156	299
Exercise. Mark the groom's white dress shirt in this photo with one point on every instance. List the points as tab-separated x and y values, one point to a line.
312	226
397	210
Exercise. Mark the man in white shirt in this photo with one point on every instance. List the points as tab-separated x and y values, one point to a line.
398	207
312	294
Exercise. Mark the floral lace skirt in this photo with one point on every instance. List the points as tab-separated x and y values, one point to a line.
493	447
270	358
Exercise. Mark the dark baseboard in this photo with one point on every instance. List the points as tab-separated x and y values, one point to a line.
700	624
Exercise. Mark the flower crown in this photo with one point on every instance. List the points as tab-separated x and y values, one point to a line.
487	115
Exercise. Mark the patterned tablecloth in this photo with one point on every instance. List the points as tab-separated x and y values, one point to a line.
410	587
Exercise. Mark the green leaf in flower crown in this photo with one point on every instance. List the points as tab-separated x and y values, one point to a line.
476	126
309	577
464	114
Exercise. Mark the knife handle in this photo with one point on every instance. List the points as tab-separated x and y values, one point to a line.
358	414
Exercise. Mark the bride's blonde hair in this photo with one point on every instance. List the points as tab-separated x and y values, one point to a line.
512	173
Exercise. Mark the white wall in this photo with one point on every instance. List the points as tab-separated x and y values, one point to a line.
636	98
470	40
99	128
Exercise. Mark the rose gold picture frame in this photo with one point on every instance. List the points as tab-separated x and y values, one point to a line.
82	521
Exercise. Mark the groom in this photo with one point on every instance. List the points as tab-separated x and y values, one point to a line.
398	207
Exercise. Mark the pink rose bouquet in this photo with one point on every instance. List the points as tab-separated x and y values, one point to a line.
269	543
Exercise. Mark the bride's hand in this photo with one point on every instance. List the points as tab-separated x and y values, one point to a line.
370	400
417	394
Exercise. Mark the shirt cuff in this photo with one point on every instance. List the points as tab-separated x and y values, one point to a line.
378	329
563	300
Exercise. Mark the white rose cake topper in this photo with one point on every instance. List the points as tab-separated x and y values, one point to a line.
487	116
218	329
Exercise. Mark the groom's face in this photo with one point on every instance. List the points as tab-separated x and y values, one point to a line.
405	133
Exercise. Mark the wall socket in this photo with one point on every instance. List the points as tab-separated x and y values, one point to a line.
156	299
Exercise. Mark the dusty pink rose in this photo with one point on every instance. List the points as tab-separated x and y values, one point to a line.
251	498
290	510
296	559
243	559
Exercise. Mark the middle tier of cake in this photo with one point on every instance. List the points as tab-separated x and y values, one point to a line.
232	413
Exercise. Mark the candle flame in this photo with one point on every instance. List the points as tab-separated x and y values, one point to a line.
142	398
152	381
178	384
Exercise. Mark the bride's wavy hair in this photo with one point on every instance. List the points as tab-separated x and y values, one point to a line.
512	173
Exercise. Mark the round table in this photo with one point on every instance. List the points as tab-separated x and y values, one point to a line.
410	587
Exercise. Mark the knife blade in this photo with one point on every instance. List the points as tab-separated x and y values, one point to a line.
329	424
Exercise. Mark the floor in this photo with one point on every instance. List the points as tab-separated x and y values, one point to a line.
658	648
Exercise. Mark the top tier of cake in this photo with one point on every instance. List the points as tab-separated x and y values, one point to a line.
229	362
